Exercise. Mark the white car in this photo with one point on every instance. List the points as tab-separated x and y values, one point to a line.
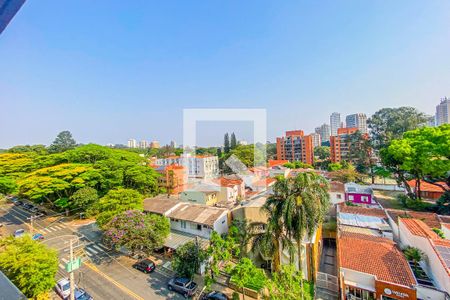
63	288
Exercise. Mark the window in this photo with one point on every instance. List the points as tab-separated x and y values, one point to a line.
199	227
339	196
365	199
183	224
350	197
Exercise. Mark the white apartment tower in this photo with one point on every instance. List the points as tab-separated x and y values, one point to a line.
199	166
443	112
357	121
143	144
316	140
132	143
325	132
335	123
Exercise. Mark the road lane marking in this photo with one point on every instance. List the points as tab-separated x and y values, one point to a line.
56	226
65	260
98	248
61	266
117	284
89	253
103	247
48	230
90	249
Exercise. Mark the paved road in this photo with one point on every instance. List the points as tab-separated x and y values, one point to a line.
105	274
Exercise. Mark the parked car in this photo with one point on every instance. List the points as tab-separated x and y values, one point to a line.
214	295
182	285
81	294
19	233
27	206
34	209
145	265
18	203
38	236
62	288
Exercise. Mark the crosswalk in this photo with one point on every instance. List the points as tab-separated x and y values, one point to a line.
91	250
54	228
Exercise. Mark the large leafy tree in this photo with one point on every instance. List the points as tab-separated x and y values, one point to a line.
7	185
233	142
115	202
188	258
388	124
226	143
286	285
30	265
84	198
63	142
137	231
220	250
422	154
322	152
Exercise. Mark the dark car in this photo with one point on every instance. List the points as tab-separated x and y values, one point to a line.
34	209
18	203
182	285
81	294
27	206
145	265
214	295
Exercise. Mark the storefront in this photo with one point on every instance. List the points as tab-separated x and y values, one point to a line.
388	291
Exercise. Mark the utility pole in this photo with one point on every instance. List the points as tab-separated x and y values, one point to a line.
71	278
31	225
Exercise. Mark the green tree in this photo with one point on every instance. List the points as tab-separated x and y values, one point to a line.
240	233
415	255
7	185
115	202
360	152
322	152
226	143
30	265
219	251
286	285
63	142
233	143
137	231
38	149
443	204
246	274
84	198
334	167
388	124
188	258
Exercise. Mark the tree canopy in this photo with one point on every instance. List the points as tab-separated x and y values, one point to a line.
187	259
135	231
388	124
7	185
30	265
64	141
115	202
287	285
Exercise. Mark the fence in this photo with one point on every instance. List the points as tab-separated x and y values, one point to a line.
327	282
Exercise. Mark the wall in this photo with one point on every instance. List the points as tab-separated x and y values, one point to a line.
334	197
191	228
221	224
363	280
394	291
357	198
431	264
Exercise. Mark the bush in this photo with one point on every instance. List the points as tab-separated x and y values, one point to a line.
236	296
413	204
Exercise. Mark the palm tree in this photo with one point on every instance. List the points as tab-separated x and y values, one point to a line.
415	255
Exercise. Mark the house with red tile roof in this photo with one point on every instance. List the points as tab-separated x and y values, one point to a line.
436	263
428	190
277	162
431	219
372	267
231	189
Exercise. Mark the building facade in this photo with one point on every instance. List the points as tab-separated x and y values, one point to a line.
143	144
295	146
155	144
200	166
335	123
357	121
132	143
325	132
316	140
443	112
172	179
340	144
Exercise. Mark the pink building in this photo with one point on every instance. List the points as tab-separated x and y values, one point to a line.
359	194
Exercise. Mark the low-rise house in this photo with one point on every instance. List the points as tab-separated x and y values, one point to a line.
277	162
279	171
337	192
359	194
231	190
428	190
201	193
190	218
373	267
431	219
436	263
197	166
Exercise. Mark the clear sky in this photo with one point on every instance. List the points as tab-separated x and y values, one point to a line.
109	70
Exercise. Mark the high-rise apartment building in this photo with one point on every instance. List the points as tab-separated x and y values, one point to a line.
199	166
143	144
325	131
335	123
340	144
357	121
295	146
154	144
316	140
132	143
173	144
443	112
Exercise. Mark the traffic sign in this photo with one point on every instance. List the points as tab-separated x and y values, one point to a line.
73	265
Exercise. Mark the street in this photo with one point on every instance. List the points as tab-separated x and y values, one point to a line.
105	273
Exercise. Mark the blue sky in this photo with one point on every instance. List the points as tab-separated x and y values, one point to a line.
108	70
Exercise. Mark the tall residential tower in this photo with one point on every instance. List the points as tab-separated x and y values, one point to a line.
357	121
335	123
443	112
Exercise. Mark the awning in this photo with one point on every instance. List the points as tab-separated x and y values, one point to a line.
178	238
